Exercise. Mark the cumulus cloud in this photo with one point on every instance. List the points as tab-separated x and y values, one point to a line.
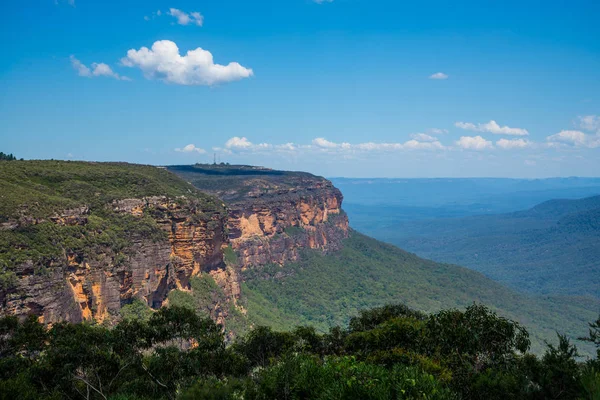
439	76
97	69
197	67
423	137
238	143
574	138
190	148
508	144
589	122
183	18
492	127
326	144
474	143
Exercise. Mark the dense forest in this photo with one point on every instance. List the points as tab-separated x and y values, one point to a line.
550	249
391	352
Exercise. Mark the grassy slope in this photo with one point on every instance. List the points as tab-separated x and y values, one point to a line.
325	290
39	189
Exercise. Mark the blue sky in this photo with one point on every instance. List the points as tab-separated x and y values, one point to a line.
338	88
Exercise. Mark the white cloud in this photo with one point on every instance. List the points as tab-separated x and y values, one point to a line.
589	122
238	143
574	138
197	67
530	163
474	143
97	69
184	18
508	144
423	137
322	1
439	76
190	148
326	144
81	69
322	145
154	15
416	145
492	127
437	131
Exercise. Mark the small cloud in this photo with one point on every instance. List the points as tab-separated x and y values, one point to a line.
530	163
474	143
183	18
325	144
492	127
238	143
154	15
423	137
439	76
589	122
573	138
508	144
190	148
437	131
196	67
322	1
97	69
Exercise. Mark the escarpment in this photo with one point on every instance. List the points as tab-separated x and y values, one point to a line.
82	241
273	215
177	240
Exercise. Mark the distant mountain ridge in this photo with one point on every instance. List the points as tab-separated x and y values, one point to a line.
552	248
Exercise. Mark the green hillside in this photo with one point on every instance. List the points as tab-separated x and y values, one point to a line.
326	290
551	249
31	192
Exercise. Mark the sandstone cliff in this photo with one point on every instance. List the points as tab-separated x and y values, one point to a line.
82	285
135	232
273	215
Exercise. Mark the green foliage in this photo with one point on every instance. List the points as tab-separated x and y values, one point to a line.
8	280
230	256
388	353
309	377
202	298
324	290
137	310
294	231
7	157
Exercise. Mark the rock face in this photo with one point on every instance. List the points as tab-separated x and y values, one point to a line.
269	218
273	215
79	286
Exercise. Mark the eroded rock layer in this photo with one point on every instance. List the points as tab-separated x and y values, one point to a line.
273	215
81	286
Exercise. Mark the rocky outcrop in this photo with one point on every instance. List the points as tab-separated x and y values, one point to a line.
80	286
277	227
273	215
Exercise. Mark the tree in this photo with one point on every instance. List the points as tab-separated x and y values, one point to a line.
7	157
